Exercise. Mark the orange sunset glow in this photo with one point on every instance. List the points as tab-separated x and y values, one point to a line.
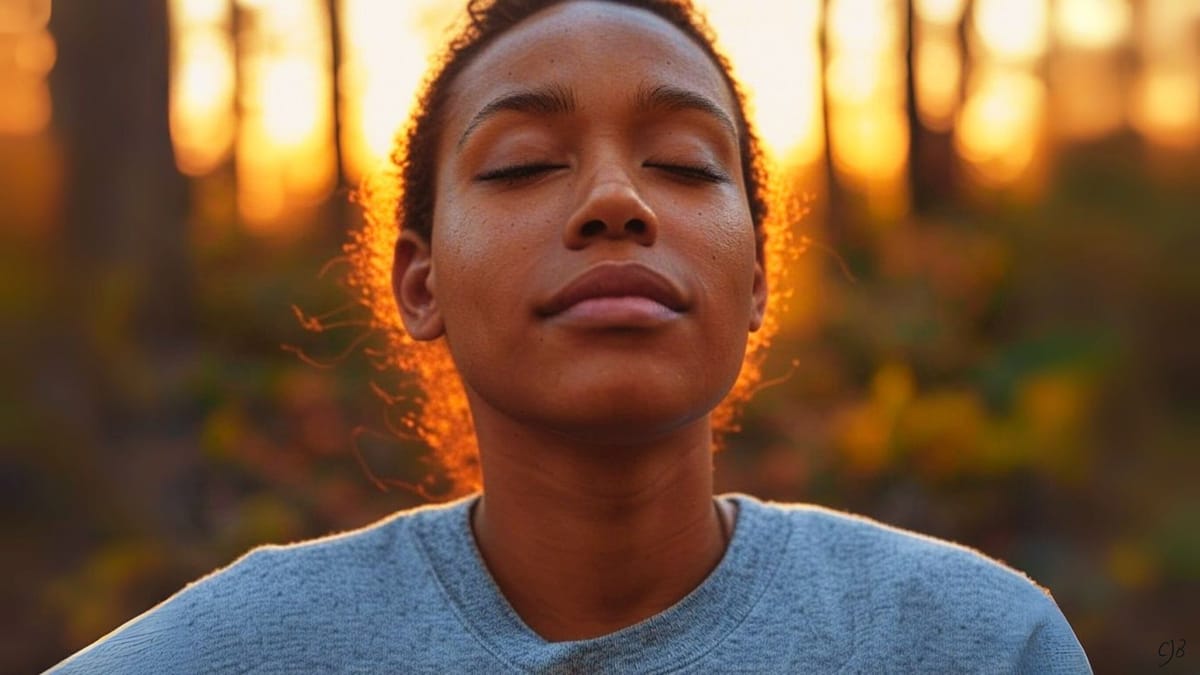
267	95
865	86
27	53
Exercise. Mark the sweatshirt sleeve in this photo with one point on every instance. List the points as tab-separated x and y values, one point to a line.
209	626
157	641
1052	646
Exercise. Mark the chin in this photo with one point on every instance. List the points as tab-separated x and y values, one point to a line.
607	398
628	412
622	430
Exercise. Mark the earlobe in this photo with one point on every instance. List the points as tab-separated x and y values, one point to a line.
758	295
413	286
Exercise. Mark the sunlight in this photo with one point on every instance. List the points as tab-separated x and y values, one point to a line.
381	70
285	148
1088	84
786	102
872	145
27	53
290	99
861	78
868	125
1088	95
937	61
864	25
382	61
940	12
284	159
1168	29
999	131
201	12
938	77
202	83
1092	24
1166	106
998	128
1011	30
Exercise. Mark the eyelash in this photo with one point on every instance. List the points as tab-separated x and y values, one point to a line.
520	172
515	174
701	172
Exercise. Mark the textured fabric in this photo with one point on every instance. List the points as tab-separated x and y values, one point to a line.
800	589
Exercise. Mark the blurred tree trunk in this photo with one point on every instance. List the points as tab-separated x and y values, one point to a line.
931	168
126	206
120	326
125	312
338	207
335	33
837	220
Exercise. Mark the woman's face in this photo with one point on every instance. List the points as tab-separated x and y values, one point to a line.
593	260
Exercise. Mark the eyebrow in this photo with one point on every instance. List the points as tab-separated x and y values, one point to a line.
668	97
551	100
560	100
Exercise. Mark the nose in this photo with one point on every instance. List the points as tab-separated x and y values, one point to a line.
611	207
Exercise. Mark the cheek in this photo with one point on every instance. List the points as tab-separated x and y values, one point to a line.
481	258
726	253
459	259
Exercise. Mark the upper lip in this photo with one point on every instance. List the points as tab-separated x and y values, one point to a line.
614	280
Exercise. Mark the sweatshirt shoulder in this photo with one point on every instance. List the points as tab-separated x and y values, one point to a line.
273	597
883	554
922	601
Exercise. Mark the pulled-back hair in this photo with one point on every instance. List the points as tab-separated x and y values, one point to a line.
401	197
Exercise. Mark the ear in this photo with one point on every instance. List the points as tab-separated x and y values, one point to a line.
758	297
413	283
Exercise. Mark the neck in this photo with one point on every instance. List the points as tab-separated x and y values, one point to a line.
586	540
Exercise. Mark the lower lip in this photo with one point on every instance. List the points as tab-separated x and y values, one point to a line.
618	312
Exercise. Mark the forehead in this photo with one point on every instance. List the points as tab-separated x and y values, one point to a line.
599	47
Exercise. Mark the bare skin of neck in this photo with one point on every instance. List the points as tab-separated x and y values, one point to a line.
584	541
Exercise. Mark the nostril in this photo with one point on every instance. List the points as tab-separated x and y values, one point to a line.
592	228
636	226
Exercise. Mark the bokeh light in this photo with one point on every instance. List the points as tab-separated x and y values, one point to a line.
787	110
1011	30
203	83
865	85
998	129
938	76
27	53
284	153
382	61
1092	24
1166	103
940	12
1088	92
284	160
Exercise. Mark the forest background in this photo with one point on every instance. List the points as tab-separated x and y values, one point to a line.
993	336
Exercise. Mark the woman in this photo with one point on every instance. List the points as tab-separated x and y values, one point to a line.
582	228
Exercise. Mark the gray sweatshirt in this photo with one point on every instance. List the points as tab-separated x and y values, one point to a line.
801	589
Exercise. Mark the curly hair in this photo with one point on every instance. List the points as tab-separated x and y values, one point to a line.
401	197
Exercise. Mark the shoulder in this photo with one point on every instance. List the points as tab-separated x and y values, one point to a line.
302	599
916	597
866	551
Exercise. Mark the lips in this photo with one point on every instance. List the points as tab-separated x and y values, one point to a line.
616	280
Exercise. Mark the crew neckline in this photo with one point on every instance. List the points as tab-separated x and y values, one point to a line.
681	634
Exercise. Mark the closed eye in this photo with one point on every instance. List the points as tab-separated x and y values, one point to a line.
699	172
517	173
